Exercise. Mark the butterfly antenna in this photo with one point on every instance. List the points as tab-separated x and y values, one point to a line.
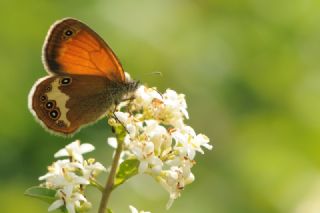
155	73
157	92
158	74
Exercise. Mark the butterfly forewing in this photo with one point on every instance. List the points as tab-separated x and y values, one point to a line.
71	47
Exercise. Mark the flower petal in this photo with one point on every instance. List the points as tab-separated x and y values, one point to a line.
112	141
133	209
55	205
61	153
143	166
70	208
86	147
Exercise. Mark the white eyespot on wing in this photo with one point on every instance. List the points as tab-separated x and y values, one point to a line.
61	100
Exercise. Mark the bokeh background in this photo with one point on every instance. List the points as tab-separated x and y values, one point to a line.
251	74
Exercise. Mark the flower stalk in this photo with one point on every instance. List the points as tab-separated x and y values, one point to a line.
120	133
97	185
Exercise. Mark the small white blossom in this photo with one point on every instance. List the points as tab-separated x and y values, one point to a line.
70	177
159	136
175	103
92	169
169	108
134	210
145	154
71	200
62	173
144	97
187	142
75	151
65	179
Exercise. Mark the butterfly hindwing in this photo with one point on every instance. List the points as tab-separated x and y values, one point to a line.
64	103
71	47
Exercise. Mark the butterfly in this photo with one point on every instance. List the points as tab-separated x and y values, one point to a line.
85	79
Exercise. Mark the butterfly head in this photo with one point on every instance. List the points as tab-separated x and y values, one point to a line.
132	86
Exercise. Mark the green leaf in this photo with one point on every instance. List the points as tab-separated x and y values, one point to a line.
126	170
109	211
41	193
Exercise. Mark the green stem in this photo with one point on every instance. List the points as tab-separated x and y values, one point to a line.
96	184
110	182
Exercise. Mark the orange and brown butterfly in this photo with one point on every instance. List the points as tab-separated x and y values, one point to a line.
85	79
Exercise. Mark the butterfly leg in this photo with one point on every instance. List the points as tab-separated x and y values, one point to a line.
117	119
130	99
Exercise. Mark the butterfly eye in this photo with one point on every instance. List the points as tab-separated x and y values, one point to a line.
43	98
50	105
54	114
65	81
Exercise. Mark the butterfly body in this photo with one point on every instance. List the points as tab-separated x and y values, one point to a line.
85	79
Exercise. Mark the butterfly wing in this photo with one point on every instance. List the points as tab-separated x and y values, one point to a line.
65	103
71	47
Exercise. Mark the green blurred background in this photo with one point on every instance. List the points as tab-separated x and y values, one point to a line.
250	72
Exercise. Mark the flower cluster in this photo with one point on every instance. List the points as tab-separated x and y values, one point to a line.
70	176
158	137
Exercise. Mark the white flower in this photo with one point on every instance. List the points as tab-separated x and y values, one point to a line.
144	97
134	210
176	101
128	122
92	169
122	116
170	182
169	108
187	142
69	177
158	137
56	168
203	140
174	181
71	200
62	173
148	161
75	151
65	178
